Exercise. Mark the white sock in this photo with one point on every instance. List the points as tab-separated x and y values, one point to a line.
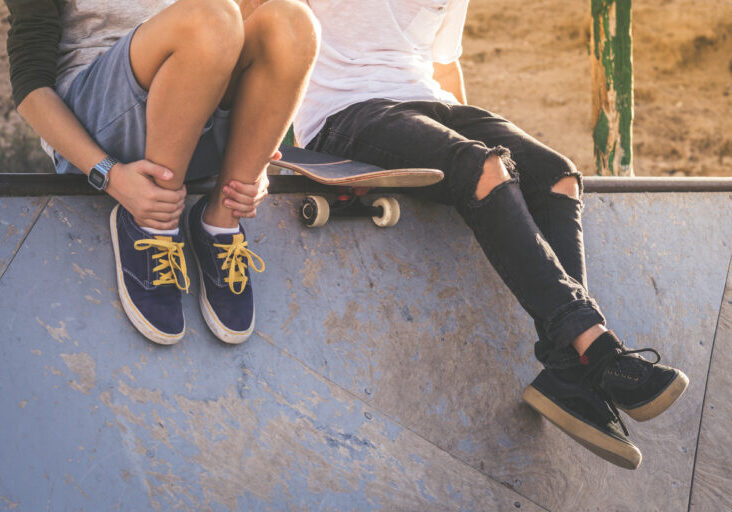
165	232
215	230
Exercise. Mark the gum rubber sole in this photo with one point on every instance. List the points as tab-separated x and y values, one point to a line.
620	453
662	402
209	315
137	318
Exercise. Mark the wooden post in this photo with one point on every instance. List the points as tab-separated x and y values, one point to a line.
612	87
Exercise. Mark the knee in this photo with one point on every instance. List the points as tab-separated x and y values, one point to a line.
289	32
494	173
568	186
563	170
216	30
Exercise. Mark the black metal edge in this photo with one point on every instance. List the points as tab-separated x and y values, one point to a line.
29	185
641	184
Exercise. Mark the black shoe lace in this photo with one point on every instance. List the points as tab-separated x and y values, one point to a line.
625	352
603	363
614	410
633	370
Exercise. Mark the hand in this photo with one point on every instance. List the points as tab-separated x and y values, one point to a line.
151	205
243	198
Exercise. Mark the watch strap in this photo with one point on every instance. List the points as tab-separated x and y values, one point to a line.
102	168
107	164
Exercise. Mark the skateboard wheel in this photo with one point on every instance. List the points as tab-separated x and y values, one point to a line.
314	211
390	213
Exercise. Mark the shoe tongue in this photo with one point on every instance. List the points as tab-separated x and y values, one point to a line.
170	238
229	239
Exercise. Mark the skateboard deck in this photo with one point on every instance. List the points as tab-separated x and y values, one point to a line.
336	171
351	180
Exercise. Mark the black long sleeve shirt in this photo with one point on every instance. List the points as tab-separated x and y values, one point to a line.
33	39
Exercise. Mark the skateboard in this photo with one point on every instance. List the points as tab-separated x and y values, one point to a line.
351	181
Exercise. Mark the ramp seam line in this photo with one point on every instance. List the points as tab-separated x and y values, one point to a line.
19	245
287	353
706	384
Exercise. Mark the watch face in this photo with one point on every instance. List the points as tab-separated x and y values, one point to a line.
96	178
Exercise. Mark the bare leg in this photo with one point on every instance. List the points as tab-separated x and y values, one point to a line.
270	78
184	57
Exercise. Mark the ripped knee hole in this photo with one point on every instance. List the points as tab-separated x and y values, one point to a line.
494	173
568	186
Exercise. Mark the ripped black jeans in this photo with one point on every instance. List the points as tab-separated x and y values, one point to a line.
531	235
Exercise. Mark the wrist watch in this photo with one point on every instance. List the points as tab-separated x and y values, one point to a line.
99	174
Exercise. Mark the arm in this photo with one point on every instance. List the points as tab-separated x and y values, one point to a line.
447	48
130	184
450	78
35	31
52	120
32	48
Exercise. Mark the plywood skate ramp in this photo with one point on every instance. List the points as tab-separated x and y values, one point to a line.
385	374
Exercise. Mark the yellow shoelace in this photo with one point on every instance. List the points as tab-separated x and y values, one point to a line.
236	257
170	259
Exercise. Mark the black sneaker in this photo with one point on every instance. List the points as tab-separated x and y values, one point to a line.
151	273
583	415
641	388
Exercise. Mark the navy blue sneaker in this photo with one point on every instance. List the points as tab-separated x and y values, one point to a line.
225	297
584	415
151	272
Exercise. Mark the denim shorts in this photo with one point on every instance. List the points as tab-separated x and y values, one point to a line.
111	105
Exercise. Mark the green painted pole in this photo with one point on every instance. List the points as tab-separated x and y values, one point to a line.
611	51
289	139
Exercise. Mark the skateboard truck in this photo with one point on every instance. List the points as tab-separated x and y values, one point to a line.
316	210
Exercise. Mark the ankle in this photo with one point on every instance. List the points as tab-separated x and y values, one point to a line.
155	231
604	347
582	342
215	214
593	359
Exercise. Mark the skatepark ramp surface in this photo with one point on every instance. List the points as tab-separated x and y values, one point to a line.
385	374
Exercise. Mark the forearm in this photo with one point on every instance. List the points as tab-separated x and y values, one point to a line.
130	183
49	116
450	78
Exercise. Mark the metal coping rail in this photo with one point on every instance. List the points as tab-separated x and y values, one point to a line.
30	185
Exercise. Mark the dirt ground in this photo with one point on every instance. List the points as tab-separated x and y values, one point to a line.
528	61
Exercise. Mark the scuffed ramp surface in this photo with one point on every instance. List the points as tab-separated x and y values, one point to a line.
17	215
101	419
386	372
712	484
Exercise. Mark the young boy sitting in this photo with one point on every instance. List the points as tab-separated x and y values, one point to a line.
387	89
141	95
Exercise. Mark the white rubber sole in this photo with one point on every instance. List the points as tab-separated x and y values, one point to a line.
138	320
209	315
613	450
661	402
